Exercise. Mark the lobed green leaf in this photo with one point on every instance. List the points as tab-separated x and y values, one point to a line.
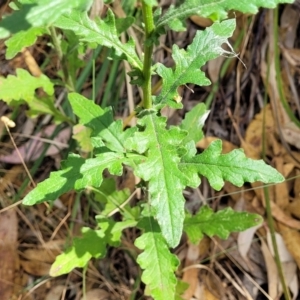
102	32
216	10
220	224
160	169
206	46
22	87
234	167
101	121
193	123
157	261
93	243
22	39
77	173
38	13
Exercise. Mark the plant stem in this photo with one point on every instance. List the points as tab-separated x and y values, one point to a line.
283	99
148	49
63	60
270	220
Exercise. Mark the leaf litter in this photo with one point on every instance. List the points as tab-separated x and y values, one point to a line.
215	268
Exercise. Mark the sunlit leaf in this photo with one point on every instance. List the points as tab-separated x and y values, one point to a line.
216	10
77	173
156	261
220	224
206	46
234	167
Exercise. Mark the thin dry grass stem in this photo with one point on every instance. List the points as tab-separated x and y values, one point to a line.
203	267
232	281
292	85
35	287
227	253
46	119
250	189
10	206
129	86
235	126
31	63
124	203
239	66
59	226
238	280
8	123
118	10
63	296
34	230
40	139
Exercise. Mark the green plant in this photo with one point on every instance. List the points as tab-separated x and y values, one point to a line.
165	158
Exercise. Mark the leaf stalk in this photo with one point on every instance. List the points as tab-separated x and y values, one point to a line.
63	60
148	49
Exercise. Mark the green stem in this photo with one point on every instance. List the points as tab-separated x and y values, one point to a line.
148	49
270	220
63	60
283	99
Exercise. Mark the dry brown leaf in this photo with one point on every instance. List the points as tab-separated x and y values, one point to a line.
96	294
205	142
190	275
292	56
288	130
214	67
294	208
282	217
203	293
289	158
55	292
213	285
244	241
8	252
281	189
202	22
254	133
35	268
42	255
272	271
288	168
289	21
297	185
291	239
290	275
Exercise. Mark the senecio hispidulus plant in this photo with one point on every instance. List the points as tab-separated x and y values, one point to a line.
164	157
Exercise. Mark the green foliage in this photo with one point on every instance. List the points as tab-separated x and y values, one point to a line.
193	123
26	84
76	174
220	224
38	13
160	170
205	46
25	92
217	10
101	122
93	243
164	157
103	32
22	39
156	259
234	167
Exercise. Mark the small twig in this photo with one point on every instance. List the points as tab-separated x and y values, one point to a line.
10	124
